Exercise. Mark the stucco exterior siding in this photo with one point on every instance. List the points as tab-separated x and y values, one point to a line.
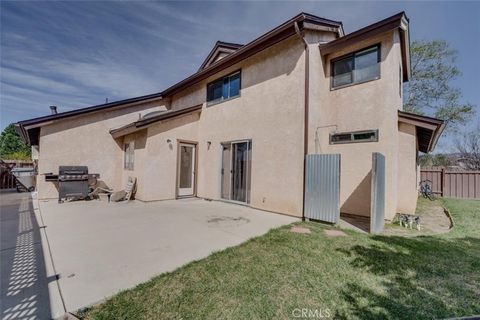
160	165
369	105
85	141
407	168
269	112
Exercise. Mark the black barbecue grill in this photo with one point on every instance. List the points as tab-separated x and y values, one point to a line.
73	182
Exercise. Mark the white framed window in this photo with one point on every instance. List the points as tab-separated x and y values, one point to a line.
129	155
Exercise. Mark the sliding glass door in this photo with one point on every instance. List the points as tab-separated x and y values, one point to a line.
236	168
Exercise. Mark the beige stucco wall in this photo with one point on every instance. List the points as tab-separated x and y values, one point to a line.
370	105
160	177
407	168
86	141
269	112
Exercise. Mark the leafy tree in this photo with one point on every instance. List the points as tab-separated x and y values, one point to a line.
11	146
429	89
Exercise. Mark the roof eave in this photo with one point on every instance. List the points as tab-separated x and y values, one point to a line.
266	40
96	108
19	129
405	41
145	123
26	125
436	136
433	125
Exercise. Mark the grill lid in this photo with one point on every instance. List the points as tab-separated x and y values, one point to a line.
72	170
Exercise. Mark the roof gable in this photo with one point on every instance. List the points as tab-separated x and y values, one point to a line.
220	50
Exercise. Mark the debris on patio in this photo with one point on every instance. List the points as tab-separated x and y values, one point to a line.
297	229
334	233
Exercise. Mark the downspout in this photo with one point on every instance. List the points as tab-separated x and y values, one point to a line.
306	106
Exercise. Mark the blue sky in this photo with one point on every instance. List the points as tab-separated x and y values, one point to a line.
75	54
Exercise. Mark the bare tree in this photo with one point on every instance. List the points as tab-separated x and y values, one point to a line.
468	146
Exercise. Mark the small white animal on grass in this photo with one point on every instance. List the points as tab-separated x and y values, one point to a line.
418	222
408	221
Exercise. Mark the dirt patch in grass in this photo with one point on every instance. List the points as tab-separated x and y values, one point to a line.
297	229
433	217
335	233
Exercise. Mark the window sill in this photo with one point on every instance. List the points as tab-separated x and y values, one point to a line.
354	84
215	102
354	141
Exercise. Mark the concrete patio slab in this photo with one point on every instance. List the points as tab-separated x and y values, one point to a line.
101	248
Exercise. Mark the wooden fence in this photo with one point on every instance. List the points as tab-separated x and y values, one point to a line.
7	180
452	183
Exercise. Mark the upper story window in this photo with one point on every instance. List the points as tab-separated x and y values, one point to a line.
224	88
129	155
357	67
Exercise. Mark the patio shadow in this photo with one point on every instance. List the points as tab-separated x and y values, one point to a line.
24	283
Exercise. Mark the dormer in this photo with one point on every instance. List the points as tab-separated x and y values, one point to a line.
219	51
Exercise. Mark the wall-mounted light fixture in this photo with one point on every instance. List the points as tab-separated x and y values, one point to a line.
170	145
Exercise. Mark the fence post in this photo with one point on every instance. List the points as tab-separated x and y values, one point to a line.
442	185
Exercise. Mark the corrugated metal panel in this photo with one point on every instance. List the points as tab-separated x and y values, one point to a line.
322	187
377	219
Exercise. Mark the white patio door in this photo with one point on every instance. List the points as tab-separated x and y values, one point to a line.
186	169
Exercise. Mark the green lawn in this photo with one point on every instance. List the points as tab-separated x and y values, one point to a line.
358	276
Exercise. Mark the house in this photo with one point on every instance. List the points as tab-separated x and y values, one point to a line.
240	127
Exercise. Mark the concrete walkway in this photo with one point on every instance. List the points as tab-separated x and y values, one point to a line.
100	248
24	279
